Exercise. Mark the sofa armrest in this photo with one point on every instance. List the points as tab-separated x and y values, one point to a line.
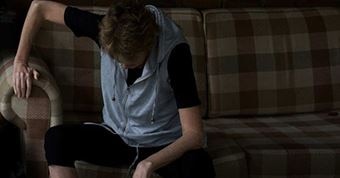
46	83
33	115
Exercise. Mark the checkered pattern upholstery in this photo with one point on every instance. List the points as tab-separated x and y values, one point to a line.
273	61
33	115
306	145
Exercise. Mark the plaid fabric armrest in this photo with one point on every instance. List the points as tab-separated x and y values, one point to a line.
33	115
45	83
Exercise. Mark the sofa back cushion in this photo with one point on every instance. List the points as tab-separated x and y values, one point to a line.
75	62
272	61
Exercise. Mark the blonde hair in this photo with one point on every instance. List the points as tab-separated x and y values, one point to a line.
128	28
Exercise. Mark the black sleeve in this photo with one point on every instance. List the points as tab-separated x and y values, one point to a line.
182	78
83	23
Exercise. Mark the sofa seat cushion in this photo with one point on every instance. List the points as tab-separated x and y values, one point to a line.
228	158
304	145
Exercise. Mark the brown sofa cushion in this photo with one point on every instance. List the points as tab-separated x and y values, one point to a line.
273	61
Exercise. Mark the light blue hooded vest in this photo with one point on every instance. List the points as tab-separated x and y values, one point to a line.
145	113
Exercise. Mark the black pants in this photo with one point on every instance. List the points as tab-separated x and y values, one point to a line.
65	144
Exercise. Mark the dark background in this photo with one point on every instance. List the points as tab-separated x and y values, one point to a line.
12	14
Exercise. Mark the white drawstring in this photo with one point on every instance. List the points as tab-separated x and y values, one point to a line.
129	175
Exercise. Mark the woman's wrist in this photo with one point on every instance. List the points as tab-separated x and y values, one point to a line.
18	61
147	165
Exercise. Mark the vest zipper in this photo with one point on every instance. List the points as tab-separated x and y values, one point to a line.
125	109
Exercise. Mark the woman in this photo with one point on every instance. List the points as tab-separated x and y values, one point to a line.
151	108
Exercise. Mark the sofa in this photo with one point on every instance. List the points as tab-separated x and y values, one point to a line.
268	80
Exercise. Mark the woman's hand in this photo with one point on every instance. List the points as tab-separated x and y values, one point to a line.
143	170
22	79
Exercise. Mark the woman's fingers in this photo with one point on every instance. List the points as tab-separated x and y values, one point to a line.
28	85
18	84
36	74
22	84
14	84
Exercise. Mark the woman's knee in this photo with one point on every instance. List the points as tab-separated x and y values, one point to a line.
197	162
198	156
59	147
54	135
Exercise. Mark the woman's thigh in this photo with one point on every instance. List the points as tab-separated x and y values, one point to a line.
193	164
88	142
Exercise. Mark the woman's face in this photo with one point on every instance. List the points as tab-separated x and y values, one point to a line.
138	60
